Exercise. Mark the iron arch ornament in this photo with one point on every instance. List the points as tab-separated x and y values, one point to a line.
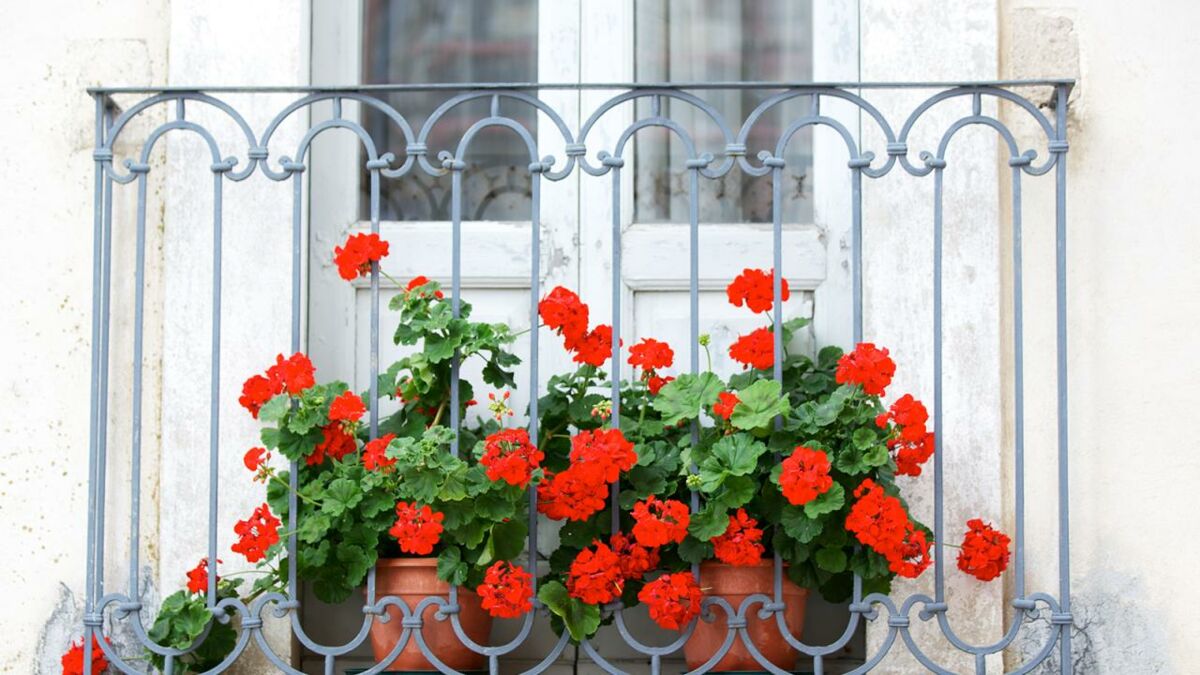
256	151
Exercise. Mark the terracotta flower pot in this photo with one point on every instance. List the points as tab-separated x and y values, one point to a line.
413	580
735	584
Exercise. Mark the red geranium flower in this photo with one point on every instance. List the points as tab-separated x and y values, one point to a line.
347	408
911	558
755	349
374	456
651	354
870	367
506	590
595	347
335	443
805	475
417	528
636	560
72	659
660	522
984	553
255	458
755	289
293	374
571	495
510	456
673	600
740	545
562	312
354	258
256	534
602	453
419	281
909	415
256	391
595	575
726	402
198	577
654	383
911	455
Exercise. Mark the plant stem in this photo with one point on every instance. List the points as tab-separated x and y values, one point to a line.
275	477
437	417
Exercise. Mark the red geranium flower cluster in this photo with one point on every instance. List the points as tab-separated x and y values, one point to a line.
867	366
347	408
984	553
255	460
374	456
197	577
805	475
292	375
597	458
256	534
563	312
419	281
741	544
510	456
880	522
595	576
755	349
417	528
335	443
506	590
636	559
726	402
673	600
570	495
72	660
650	355
755	290
659	522
910	455
354	258
912	445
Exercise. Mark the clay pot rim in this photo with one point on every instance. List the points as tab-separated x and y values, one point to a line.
428	561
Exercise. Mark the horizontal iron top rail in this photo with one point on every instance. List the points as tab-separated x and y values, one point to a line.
507	86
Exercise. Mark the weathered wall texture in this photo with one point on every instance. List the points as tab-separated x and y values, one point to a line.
1134	310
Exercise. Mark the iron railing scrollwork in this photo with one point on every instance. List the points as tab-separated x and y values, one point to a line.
577	151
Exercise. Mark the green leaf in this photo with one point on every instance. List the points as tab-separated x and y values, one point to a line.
830	559
508	539
342	495
313	527
736	455
450	566
684	397
758	404
799	526
827	502
580	619
693	550
737	491
709	522
275	409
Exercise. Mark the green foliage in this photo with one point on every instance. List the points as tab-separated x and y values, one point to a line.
183	619
686	396
581	619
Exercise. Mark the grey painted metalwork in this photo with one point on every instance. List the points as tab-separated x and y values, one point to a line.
124	607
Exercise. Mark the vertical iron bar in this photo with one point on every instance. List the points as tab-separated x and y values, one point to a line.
294	466
938	568
93	449
535	292
135	479
856	245
694	319
105	323
777	317
1060	217
615	370
1018	382
374	383
214	420
455	290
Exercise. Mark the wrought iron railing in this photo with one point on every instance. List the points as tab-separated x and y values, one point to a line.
895	157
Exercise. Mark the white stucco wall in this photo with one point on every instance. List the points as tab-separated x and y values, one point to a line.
1133	283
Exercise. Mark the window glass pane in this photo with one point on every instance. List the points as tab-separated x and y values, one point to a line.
714	41
421	41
